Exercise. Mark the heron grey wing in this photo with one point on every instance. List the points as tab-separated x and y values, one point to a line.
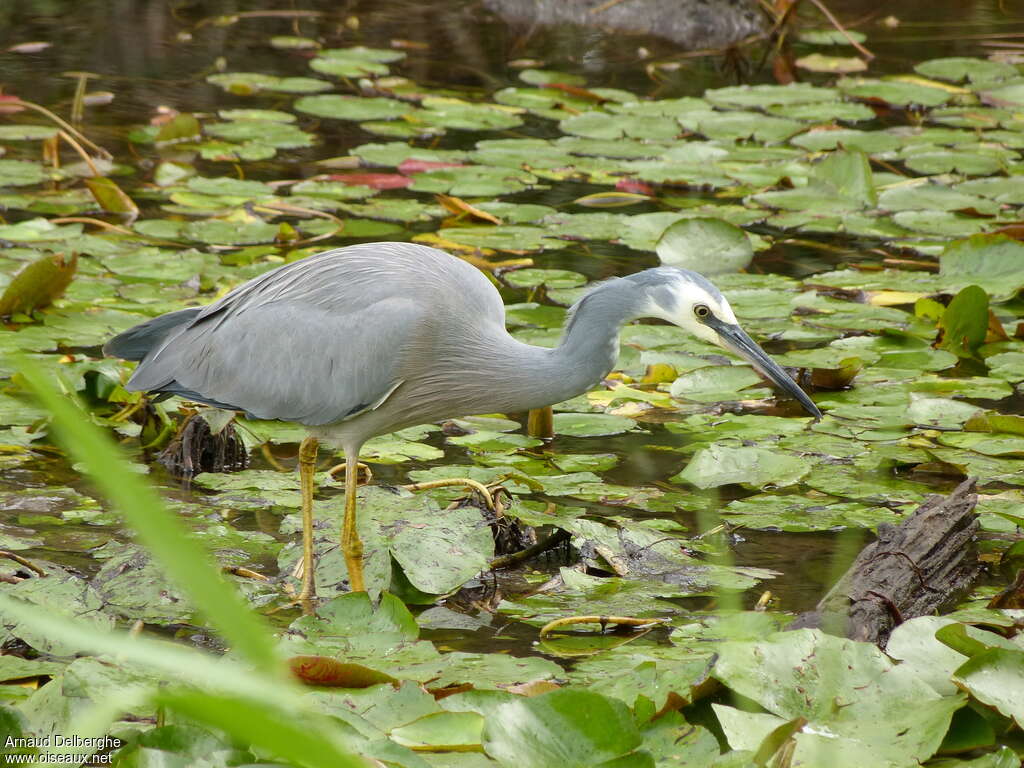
289	360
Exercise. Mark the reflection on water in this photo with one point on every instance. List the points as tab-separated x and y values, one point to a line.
157	53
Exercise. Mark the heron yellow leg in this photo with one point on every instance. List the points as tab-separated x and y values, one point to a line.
541	423
351	544
307	468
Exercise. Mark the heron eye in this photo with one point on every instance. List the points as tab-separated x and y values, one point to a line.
702	311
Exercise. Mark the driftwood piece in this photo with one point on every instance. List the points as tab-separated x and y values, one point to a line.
924	564
691	24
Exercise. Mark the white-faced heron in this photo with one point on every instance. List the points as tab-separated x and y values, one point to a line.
364	340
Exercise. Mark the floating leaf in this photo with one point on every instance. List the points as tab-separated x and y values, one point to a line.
720	464
569	728
352	107
611	199
862	708
994	262
245	83
817	62
17	173
831	36
964	324
111	197
329	672
996	678
591	424
38	284
708	246
960	68
442	732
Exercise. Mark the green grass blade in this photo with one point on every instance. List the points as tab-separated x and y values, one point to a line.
161	657
191	569
306	739
260	709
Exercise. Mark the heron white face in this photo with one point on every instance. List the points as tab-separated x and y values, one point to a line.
704	312
691	307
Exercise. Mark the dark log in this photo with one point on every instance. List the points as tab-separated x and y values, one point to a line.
691	24
925	564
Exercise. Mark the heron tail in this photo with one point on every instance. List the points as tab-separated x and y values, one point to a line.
137	341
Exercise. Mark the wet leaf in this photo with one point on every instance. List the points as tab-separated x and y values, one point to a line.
817	62
111	197
611	199
575	729
994	262
247	83
720	464
38	284
591	424
708	246
873	711
328	672
894	92
964	324
960	68
996	678
460	207
352	107
831	36
551	278
442	732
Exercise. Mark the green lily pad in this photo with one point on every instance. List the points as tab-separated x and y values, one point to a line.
895	92
246	83
741	125
272	133
353	107
994	262
591	424
708	246
960	68
831	36
552	278
873	711
21	173
715	383
721	464
1006	96
996	678
570	728
817	112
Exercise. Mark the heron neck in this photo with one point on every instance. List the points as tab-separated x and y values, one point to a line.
590	343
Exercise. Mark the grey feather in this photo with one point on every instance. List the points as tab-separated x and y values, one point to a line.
136	342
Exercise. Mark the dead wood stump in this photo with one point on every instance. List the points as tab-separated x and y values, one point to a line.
923	565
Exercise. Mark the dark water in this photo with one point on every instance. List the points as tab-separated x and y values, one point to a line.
152	54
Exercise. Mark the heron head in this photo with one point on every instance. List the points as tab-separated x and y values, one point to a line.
692	302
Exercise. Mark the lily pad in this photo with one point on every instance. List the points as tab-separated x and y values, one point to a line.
570	728
708	246
861	708
721	464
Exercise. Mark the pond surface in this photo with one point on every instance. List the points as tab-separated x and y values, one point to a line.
859	207
152	57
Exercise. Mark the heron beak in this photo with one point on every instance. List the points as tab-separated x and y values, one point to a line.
736	340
